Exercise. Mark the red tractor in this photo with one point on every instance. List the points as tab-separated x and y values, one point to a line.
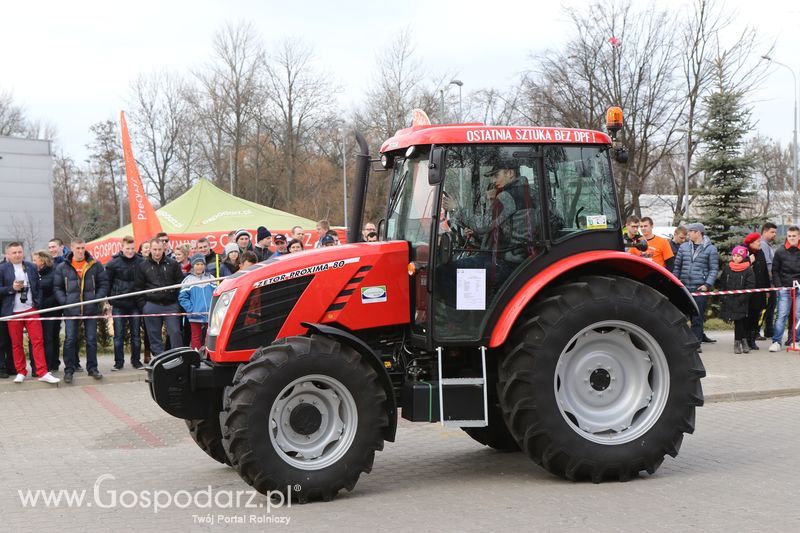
499	300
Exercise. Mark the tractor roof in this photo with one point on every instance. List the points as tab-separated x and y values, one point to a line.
478	133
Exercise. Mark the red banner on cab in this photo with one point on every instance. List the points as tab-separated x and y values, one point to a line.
143	217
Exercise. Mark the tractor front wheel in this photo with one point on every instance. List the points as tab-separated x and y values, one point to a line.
304	417
600	379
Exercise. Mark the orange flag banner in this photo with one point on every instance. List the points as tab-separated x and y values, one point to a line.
143	217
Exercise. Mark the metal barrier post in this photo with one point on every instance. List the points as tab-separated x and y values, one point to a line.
792	346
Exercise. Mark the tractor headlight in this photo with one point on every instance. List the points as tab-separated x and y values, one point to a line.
219	311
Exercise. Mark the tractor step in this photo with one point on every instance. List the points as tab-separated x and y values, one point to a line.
462	381
462	400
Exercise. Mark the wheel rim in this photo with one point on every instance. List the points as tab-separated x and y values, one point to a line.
612	382
313	422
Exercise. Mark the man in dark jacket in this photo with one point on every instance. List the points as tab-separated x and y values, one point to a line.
768	233
80	278
785	270
20	293
121	275
696	265
154	272
57	251
263	241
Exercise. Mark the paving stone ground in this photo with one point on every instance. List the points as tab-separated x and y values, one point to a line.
738	472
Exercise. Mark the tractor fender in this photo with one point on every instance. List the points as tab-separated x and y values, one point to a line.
595	263
372	359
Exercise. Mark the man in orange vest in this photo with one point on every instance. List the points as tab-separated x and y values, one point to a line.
658	249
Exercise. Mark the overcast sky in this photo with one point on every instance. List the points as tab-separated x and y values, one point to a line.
72	62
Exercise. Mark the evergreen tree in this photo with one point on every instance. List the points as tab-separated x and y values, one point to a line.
727	196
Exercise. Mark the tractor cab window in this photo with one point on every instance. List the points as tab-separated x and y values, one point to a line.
411	203
580	190
489	227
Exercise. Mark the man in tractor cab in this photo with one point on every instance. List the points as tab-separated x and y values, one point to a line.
506	233
504	230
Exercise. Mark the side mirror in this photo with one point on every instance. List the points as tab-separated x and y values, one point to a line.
621	155
381	228
435	166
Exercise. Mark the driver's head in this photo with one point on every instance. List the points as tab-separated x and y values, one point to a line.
503	172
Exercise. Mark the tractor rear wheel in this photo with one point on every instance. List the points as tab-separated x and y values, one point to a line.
206	433
304	417
600	379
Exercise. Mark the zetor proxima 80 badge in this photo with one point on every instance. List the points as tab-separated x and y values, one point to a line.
499	300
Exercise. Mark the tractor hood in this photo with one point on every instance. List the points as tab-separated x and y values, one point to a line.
354	286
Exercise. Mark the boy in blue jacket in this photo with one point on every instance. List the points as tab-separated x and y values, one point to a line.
196	299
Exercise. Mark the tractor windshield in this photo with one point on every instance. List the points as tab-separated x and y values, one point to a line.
411	202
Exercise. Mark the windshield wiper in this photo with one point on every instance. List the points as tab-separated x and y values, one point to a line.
395	196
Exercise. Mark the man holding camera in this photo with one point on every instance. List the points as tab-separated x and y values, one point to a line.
651	246
19	287
631	236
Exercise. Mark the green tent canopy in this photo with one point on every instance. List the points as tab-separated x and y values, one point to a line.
205	210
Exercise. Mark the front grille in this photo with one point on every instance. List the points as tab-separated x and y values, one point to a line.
264	313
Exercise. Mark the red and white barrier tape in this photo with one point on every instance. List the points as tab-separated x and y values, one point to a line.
739	291
98	317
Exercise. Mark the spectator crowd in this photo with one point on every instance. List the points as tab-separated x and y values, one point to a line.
64	275
61	275
755	263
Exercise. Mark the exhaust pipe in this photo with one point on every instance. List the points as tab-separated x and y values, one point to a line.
359	190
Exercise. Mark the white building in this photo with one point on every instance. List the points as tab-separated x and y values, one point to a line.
26	193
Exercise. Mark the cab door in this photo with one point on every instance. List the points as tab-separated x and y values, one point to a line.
411	218
490	229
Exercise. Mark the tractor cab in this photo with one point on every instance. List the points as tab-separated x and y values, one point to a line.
485	208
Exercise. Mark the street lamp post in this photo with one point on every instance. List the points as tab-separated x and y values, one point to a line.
344	173
230	167
794	139
686	170
460	84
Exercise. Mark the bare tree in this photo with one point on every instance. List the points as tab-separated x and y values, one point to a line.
301	100
40	129
160	113
228	88
398	88
702	49
396	91
25	229
12	116
773	166
616	56
106	154
209	110
68	191
494	106
188	155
